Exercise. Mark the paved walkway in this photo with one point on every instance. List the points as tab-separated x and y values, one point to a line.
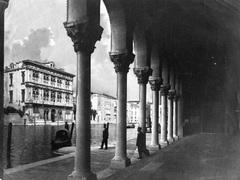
196	157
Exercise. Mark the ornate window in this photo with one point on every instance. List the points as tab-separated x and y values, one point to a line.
59	97
59	82
45	78
52	96
53	80
45	95
35	93
23	77
11	79
67	98
23	95
67	83
11	96
35	75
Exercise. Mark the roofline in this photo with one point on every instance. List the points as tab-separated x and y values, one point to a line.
36	63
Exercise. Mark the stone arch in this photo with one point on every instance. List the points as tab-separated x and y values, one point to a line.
60	114
122	25
53	112
45	114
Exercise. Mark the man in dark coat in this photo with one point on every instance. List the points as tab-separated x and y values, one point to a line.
105	136
140	144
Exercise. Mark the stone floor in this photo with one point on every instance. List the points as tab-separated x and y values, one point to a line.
196	157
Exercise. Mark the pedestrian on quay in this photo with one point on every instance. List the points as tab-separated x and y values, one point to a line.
140	144
66	126
105	136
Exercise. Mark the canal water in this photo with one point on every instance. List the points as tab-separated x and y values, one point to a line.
33	143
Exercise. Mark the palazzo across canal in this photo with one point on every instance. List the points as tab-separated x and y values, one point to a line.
188	52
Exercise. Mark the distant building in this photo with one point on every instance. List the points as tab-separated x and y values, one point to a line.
132	111
105	107
40	90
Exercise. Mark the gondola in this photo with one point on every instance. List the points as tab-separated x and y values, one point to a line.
62	139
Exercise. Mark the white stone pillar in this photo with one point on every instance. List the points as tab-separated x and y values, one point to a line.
175	117
143	74
170	117
180	111
155	86
121	62
3	6
163	139
83	28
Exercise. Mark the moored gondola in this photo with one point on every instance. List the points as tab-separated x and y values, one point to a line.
63	138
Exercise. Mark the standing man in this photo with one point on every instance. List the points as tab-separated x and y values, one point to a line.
140	144
105	136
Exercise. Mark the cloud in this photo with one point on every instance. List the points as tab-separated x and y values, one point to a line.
7	50
30	47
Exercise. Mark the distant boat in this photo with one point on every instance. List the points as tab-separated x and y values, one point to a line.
62	139
130	125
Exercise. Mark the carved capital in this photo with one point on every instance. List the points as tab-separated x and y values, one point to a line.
176	96
164	89
84	35
171	94
155	83
142	74
4	3
121	61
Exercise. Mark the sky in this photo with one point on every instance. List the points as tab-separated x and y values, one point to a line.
34	30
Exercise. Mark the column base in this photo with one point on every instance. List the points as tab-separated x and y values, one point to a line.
164	143
170	140
82	176
120	163
154	147
175	138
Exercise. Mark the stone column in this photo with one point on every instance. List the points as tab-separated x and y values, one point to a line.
3	6
142	74
180	112
170	116
155	86
121	62
175	117
163	139
84	32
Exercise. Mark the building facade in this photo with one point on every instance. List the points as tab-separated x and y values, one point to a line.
132	111
42	91
105	107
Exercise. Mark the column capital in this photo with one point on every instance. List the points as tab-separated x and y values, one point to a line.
176	96
155	83
142	74
164	89
121	61
83	34
171	94
5	3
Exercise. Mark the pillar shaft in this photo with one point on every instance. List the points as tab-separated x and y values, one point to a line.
180	110
163	139
121	62
3	6
142	74
142	109
120	151
84	34
170	119
175	117
155	86
180	117
82	155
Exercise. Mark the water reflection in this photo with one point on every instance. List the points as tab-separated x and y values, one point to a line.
33	143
